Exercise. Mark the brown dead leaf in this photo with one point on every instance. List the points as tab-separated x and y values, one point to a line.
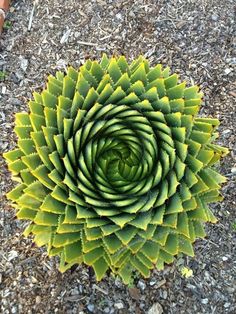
134	293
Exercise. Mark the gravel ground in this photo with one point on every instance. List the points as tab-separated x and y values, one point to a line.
196	39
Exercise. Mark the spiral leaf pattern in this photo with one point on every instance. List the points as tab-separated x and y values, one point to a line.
114	167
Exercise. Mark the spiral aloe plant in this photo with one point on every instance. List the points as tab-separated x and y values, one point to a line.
115	168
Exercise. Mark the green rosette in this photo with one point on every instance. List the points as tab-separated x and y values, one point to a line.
115	168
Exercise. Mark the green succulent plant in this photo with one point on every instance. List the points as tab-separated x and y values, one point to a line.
115	168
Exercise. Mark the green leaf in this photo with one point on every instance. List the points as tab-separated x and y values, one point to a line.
91	257
73	252
64	239
151	250
182	224
23	132
28	230
154	73
176	92
90	99
158	215
140	267
50	117
126	234
126	272
123	82
171	81
68	89
22	118
192	93
199	229
200	137
93	233
70	228
112	243
170	220
16	193
42	239
166	257
29	202
109	229
190	204
52	205
46	219
114	70
38	138
174	205
142	220
100	267
37	122
185	246
161	234
143	259
27	146
36	190
26	213
172	244
49	100
122	220
71	215
54	88
139	74
160	264
63	265
13	155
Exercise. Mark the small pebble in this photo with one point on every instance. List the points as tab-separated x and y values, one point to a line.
65	37
12	254
118	283
164	294
214	17
226	132
38	299
15	101
119	305
227	305
227	71
119	16
4	89
204	301
75	291
90	307
152	282
34	280
156	309
233	170
23	63
141	285
14	310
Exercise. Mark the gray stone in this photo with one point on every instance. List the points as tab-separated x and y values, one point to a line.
90	307
141	285
156	309
214	17
119	305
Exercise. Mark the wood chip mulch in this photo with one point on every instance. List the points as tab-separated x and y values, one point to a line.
196	38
